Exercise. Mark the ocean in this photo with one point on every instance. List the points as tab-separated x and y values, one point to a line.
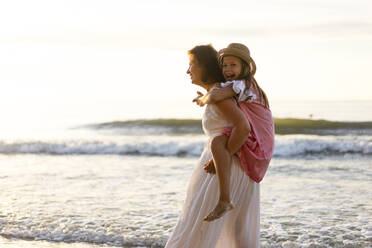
117	177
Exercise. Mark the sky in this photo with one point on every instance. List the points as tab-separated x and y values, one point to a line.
77	52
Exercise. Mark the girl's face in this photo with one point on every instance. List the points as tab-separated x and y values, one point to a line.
195	70
231	67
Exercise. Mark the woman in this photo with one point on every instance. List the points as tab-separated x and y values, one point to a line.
240	226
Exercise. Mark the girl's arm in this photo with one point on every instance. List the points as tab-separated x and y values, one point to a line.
219	94
240	125
215	95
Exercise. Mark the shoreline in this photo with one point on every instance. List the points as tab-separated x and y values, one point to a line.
9	242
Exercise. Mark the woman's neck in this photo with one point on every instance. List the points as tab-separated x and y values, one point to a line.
209	86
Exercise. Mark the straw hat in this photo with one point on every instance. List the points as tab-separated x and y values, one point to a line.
237	50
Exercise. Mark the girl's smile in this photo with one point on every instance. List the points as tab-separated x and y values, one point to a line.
231	67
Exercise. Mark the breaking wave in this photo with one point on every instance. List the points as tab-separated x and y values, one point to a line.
285	146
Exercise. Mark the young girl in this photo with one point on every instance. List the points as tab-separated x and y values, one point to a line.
238	69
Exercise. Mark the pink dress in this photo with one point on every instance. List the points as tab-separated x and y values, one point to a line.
256	152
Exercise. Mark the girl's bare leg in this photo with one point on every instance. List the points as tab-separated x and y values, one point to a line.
222	162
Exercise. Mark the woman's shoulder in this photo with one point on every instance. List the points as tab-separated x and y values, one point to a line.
225	106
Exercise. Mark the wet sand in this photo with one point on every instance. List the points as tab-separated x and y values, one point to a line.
18	243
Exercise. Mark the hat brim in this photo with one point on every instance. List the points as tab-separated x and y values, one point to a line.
233	52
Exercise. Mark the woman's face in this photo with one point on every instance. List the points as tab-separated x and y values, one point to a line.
231	67
195	70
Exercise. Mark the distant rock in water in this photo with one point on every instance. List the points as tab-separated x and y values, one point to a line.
283	126
306	126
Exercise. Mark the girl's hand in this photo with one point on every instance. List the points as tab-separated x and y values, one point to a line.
202	99
209	167
199	99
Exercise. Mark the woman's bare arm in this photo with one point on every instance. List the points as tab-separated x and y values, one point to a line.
240	125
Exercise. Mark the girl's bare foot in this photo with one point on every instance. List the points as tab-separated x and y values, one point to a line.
221	209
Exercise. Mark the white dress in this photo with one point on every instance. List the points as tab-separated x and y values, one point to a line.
240	227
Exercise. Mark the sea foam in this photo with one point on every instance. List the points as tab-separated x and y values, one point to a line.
285	146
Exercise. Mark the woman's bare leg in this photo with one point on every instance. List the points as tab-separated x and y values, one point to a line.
222	162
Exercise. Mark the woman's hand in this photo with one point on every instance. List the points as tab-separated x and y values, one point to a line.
209	167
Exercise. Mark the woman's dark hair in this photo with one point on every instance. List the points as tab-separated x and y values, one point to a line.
207	59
